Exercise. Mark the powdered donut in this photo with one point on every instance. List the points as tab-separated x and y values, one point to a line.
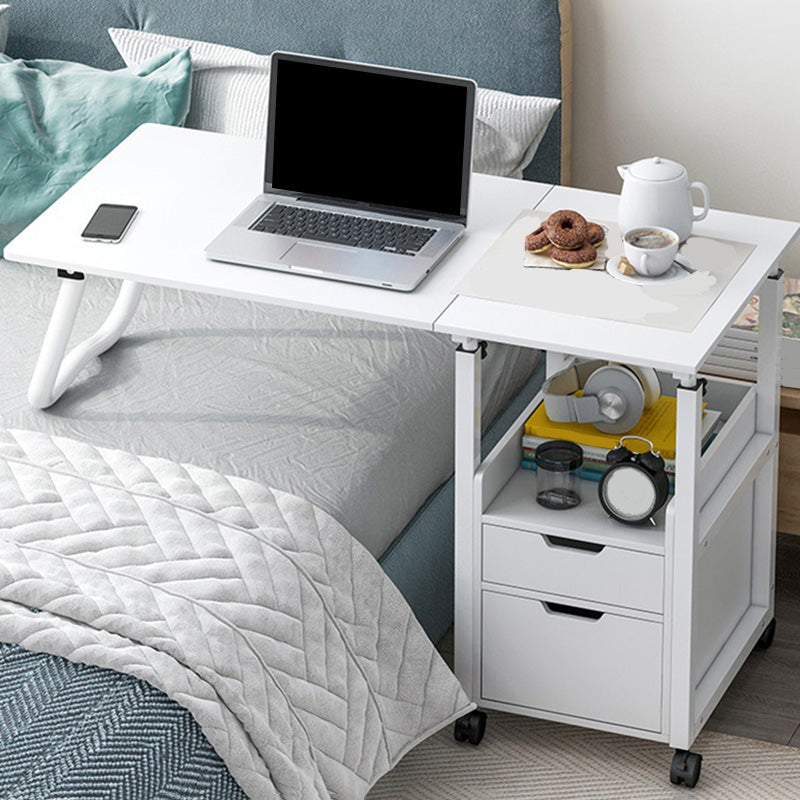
577	259
537	242
566	229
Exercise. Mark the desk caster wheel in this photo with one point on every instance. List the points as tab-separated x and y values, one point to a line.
470	727
767	635
685	768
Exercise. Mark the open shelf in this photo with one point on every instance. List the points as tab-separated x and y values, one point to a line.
516	507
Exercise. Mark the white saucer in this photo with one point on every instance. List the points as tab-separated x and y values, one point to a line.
675	273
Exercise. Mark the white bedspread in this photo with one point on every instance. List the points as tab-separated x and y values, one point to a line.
251	607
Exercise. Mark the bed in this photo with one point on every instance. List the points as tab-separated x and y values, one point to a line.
355	417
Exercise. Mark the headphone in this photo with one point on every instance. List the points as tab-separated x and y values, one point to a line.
614	395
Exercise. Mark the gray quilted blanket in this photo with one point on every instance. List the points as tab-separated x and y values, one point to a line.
254	609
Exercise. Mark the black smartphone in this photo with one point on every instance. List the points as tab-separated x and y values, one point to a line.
109	223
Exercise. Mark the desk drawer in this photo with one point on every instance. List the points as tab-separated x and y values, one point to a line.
548	657
566	567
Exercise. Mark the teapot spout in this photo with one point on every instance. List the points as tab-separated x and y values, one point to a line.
623	170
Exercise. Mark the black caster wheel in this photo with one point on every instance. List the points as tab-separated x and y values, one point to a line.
685	768
767	635
471	727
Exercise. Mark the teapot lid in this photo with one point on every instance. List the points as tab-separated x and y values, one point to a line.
656	169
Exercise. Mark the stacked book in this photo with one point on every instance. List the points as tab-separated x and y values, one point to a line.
657	425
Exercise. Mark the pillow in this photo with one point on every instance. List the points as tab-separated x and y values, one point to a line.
3	27
58	119
508	129
231	88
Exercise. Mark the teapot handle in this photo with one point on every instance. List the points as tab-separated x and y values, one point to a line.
704	191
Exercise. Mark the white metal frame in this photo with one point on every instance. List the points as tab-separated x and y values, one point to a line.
54	370
467	509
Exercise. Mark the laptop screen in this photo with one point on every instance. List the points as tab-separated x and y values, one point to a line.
370	136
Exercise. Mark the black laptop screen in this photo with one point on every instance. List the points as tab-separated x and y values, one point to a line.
370	136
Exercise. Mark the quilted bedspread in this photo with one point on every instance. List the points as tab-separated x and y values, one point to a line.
255	610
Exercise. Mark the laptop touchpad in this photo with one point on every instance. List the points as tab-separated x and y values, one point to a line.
318	257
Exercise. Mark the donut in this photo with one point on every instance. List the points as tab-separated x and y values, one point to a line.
582	257
566	229
537	242
595	234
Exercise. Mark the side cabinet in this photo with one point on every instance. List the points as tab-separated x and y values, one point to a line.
572	611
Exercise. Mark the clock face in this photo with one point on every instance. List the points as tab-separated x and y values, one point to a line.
629	493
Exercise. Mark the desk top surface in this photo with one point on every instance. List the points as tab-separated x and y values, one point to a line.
189	184
672	350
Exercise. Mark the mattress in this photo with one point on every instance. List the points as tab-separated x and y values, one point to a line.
356	417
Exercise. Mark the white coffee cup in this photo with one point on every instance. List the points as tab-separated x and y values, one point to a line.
651	250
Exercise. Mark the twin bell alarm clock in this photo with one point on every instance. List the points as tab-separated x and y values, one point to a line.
635	486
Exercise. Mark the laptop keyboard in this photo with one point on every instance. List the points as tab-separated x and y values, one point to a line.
346	229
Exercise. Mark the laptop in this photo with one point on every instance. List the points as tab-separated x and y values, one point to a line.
366	177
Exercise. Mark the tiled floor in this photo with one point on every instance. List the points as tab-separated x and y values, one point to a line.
763	702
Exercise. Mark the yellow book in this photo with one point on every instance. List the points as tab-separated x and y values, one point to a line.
658	424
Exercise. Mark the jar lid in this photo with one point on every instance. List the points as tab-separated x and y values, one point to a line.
657	169
558	455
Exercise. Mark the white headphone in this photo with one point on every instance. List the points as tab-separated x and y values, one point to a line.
614	395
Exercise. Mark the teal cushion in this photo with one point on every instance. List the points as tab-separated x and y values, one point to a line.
58	119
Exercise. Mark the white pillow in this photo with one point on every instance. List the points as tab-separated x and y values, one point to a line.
230	94
3	27
508	129
230	87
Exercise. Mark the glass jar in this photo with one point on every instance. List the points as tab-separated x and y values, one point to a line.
558	474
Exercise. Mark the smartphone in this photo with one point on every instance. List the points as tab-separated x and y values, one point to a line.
109	223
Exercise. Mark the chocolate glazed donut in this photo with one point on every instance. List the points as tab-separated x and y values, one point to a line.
566	229
537	242
594	233
582	257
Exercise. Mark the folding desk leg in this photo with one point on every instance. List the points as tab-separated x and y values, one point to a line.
54	371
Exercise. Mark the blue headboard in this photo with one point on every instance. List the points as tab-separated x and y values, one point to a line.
511	45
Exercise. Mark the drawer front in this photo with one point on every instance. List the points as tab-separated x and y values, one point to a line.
546	657
566	567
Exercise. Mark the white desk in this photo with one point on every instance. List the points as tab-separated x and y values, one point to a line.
713	546
189	185
670	350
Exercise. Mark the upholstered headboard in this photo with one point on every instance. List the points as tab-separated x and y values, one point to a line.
511	45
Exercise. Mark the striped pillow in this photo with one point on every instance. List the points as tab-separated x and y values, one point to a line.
508	129
230	94
230	87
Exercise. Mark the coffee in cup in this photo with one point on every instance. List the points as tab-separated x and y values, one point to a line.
651	250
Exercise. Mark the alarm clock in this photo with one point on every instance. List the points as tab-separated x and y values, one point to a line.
635	486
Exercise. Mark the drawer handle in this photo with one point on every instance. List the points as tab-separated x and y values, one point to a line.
572	611
574	544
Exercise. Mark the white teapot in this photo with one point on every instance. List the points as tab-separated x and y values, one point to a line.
656	191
